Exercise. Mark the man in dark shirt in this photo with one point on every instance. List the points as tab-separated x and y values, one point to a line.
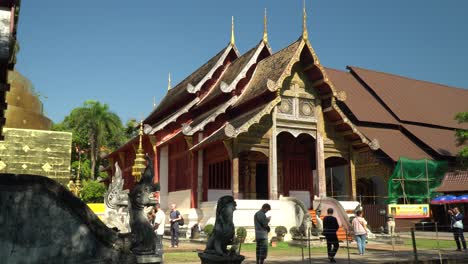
261	233
330	226
174	216
457	227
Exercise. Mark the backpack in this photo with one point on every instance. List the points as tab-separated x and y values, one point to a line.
181	221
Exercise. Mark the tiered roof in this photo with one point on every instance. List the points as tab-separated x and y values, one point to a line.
410	118
401	116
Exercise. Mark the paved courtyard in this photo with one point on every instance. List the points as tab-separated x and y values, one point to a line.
376	253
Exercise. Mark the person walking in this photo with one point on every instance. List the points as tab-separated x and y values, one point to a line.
261	222
360	232
330	226
174	216
158	225
457	227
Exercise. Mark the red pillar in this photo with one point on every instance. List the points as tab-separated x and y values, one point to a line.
194	179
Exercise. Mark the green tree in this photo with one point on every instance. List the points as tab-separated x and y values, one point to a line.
462	138
93	192
94	128
131	129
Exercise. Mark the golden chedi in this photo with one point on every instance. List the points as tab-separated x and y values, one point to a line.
24	110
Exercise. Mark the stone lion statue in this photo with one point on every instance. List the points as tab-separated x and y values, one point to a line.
223	231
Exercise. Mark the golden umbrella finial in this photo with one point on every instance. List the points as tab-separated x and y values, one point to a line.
140	163
232	32
265	32
305	35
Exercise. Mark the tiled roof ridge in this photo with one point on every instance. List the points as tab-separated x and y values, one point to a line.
406	77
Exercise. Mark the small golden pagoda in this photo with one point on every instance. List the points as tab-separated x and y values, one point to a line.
140	163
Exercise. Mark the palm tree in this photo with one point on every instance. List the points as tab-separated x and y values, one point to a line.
99	125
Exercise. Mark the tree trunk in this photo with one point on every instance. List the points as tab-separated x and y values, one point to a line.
93	157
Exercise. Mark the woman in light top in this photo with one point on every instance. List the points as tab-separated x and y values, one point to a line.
360	231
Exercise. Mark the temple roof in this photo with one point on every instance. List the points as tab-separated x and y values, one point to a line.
186	88
270	68
416	101
239	124
232	75
442	141
394	143
372	110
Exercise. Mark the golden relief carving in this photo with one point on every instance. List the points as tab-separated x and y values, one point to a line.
286	106
306	107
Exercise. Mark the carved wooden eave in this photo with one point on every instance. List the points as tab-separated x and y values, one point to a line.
233	132
337	95
173	118
228	130
188	130
219	133
373	144
168	139
191	88
229	87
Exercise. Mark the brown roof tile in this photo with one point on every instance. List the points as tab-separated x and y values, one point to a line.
180	92
394	143
441	140
360	101
454	182
417	101
269	68
230	74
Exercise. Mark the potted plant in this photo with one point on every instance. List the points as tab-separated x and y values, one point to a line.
208	229
294	231
241	234
274	241
280	231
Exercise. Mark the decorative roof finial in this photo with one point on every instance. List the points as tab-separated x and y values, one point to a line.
169	82
232	32
139	163
154	102
265	32
305	35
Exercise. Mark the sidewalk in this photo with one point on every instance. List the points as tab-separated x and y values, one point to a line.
376	253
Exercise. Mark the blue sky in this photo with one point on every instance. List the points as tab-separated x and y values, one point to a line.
120	52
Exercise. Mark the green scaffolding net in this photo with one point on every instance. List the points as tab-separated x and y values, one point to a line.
414	181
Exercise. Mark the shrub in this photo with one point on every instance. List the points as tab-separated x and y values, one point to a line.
208	229
93	192
281	231
241	234
294	231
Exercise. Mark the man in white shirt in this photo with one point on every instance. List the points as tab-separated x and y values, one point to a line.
159	221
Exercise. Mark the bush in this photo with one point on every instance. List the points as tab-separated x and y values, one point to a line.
241	234
208	229
294	231
281	231
93	192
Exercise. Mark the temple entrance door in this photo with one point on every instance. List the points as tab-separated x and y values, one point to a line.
296	162
261	175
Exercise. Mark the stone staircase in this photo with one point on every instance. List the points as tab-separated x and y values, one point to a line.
341	233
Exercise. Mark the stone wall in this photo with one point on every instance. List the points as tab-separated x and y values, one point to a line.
44	223
38	152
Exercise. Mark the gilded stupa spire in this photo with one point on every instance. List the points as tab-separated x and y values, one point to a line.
169	82
233	41
140	162
265	32
305	34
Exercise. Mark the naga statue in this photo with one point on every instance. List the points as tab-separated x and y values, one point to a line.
116	202
142	235
222	236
